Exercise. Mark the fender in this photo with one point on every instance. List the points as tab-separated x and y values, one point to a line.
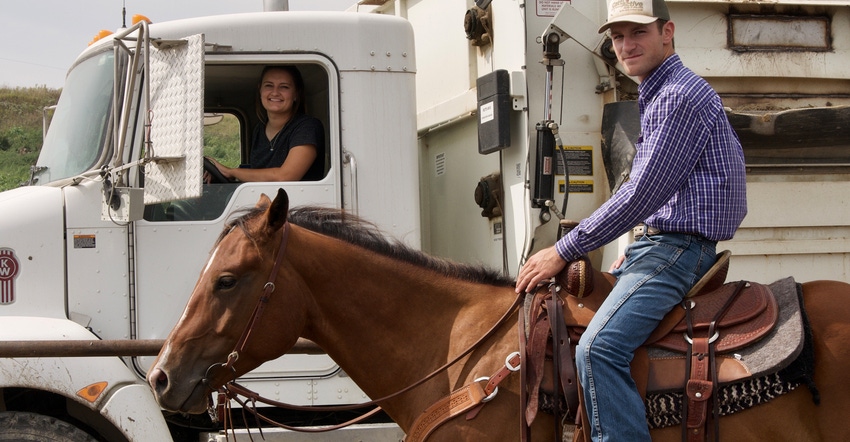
104	385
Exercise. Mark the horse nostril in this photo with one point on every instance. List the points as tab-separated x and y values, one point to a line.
159	380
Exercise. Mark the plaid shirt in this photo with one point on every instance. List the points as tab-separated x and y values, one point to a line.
688	174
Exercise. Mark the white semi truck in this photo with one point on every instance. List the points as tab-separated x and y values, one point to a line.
106	243
444	122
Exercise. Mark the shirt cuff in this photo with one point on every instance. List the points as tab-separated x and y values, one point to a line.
567	248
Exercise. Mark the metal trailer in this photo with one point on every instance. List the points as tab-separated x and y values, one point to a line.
780	67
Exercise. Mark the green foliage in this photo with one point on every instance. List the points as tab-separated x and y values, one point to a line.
15	168
222	141
21	115
23	107
20	139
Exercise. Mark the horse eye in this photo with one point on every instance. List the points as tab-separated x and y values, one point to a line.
225	282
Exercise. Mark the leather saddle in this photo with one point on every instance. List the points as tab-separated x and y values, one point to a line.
715	318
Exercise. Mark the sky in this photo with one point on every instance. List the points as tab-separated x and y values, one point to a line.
39	39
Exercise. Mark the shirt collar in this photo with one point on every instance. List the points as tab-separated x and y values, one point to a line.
652	83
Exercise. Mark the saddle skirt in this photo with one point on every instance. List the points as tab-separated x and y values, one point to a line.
761	332
775	350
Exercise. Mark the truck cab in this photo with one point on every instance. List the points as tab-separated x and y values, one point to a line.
109	238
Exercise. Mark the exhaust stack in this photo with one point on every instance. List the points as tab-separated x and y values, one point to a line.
275	5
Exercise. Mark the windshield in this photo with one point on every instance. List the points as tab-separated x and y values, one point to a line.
79	127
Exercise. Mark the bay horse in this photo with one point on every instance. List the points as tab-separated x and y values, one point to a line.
389	316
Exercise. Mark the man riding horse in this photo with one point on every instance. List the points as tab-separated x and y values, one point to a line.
687	191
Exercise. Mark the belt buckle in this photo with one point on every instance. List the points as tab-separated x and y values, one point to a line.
642	229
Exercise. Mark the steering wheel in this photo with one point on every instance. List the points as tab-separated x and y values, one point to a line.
217	176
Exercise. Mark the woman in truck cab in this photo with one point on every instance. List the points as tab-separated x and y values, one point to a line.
288	144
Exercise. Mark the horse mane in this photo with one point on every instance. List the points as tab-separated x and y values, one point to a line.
359	232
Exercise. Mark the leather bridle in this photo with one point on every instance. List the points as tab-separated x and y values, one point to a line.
231	390
268	289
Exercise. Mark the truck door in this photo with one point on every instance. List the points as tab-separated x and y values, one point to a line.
173	241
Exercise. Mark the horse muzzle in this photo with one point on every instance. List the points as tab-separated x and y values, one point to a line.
184	397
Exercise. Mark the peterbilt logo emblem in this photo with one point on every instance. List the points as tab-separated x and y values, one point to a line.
8	272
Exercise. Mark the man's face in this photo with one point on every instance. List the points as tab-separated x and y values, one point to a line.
642	48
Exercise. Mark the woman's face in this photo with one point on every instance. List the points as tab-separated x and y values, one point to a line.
277	91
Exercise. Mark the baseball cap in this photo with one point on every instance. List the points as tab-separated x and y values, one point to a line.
635	11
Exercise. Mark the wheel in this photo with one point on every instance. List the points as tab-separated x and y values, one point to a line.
21	426
217	176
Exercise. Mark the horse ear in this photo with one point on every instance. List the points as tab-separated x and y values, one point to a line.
277	212
264	202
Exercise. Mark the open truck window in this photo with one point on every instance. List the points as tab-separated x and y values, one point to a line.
231	113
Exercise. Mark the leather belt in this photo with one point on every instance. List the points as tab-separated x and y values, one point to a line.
642	229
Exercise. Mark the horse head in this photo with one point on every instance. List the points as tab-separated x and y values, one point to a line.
245	289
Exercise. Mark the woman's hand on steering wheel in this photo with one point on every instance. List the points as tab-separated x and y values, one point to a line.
212	174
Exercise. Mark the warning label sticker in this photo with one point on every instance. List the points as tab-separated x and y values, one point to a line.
579	160
549	8
577	186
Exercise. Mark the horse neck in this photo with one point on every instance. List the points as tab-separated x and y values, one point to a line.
376	315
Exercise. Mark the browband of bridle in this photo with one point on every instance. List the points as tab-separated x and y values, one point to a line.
231	389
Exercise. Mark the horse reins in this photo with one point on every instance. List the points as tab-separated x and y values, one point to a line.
232	390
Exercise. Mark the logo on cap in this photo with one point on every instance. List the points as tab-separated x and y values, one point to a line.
635	11
623	7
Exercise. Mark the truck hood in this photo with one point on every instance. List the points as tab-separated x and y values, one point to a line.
32	250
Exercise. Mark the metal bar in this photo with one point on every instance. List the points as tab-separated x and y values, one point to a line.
116	347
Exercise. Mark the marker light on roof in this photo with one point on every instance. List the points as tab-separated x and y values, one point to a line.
101	34
139	17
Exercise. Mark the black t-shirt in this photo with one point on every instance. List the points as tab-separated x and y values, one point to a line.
301	129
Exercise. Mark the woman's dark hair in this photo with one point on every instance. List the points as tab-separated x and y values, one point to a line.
299	89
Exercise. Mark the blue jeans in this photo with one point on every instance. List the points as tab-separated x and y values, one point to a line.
658	272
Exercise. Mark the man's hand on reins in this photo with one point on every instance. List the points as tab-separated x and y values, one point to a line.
539	267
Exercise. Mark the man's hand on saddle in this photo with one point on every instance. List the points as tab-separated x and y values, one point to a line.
540	267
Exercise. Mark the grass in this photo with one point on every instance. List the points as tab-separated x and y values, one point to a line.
21	116
221	141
